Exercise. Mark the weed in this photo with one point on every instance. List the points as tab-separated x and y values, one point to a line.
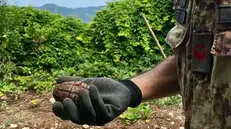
143	111
167	101
34	103
1	94
3	104
13	118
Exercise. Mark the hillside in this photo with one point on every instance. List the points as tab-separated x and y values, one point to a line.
84	13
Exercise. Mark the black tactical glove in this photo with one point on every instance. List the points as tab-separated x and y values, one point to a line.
105	100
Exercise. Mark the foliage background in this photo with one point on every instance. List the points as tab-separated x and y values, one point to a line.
37	46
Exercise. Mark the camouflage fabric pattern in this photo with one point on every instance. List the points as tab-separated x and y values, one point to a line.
206	96
225	2
222	44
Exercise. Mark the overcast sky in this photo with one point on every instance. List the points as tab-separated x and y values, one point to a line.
66	3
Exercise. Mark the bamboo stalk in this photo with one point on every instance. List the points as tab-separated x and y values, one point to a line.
154	36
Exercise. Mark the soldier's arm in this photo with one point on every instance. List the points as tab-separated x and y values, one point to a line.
159	82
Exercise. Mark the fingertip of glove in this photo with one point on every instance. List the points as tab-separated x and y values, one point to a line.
83	94
58	109
57	105
72	110
93	91
67	101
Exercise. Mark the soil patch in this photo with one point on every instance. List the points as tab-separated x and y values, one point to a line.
23	113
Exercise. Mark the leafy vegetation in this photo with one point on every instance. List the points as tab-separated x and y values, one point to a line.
118	36
37	46
167	101
143	111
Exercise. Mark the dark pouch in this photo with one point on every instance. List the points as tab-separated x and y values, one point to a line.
202	58
222	35
181	11
224	14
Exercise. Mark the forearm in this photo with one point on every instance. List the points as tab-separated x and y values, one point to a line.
159	82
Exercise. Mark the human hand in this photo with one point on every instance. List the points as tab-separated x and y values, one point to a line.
103	102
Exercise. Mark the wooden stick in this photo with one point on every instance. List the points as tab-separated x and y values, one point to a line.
154	36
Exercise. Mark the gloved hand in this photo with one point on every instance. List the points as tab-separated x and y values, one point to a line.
105	100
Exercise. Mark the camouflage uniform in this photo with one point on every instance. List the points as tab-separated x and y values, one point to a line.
201	41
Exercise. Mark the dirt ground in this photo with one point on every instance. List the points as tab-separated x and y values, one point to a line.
22	113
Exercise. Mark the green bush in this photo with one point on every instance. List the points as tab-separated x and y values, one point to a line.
118	36
38	46
47	40
119	31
